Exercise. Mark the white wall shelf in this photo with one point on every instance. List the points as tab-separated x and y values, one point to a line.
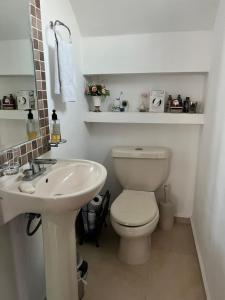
144	118
15	114
203	71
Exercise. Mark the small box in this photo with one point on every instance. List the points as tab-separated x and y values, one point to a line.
176	109
157	101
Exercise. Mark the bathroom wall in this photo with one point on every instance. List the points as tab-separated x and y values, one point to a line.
7	275
147	53
208	217
19	62
28	261
70	114
184	153
28	251
9	136
13	83
175	61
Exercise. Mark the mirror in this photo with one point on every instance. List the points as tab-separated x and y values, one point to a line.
17	80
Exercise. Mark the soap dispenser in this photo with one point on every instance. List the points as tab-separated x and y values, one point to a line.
31	126
55	130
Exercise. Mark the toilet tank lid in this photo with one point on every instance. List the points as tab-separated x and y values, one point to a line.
141	152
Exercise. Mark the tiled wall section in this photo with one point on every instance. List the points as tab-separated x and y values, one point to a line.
32	149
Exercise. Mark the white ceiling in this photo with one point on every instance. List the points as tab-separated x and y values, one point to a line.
14	19
115	17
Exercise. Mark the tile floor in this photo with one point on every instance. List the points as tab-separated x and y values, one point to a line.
172	273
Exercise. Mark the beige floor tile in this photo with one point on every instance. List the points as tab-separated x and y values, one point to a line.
174	276
172	273
179	239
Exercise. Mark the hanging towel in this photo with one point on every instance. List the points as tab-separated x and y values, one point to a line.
65	81
57	79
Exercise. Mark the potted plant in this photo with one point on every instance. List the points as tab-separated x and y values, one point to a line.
97	91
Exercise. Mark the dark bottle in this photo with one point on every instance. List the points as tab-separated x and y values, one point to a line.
186	105
13	100
169	102
180	100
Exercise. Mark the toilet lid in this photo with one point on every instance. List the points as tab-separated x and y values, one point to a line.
134	208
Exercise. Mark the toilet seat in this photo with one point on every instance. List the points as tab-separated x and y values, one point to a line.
134	208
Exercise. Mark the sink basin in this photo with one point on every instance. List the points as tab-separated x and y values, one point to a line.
57	195
66	186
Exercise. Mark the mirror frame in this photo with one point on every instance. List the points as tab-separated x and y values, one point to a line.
32	149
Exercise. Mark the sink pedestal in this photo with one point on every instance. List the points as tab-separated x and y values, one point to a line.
60	256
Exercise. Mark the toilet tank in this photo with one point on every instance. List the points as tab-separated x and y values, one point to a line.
141	168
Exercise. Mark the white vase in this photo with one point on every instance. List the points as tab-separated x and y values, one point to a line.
97	103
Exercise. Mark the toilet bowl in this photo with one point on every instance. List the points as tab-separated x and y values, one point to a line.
134	214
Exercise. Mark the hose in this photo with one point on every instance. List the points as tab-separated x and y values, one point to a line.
31	218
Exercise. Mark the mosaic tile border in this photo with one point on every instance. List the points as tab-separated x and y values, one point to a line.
32	149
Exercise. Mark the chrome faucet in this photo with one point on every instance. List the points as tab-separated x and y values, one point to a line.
9	168
35	168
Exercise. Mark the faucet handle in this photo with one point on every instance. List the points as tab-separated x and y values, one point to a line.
34	171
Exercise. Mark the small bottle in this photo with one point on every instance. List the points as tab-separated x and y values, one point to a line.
186	105
55	132
121	102
31	126
116	105
169	103
180	100
125	105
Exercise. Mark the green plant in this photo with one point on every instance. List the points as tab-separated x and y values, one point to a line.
96	90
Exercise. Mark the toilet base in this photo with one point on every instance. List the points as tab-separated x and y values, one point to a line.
135	251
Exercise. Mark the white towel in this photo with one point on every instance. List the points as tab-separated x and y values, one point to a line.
65	81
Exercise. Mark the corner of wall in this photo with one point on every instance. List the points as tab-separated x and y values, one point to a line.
200	259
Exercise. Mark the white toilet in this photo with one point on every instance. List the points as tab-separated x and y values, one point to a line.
134	214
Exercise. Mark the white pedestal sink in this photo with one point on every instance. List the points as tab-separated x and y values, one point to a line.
58	195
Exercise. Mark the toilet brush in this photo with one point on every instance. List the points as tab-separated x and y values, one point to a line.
166	211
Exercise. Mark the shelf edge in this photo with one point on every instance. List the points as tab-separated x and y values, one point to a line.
144	118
